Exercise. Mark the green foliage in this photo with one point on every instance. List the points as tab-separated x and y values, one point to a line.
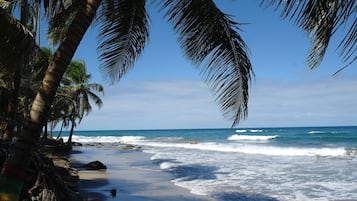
60	17
17	43
16	40
73	97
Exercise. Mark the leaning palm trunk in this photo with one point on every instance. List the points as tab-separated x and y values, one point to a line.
69	141
15	166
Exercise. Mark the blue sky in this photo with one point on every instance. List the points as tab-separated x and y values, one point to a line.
165	91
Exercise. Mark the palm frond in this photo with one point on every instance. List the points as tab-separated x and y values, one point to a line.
320	19
60	16
5	4
348	45
95	87
84	107
96	99
123	35
210	39
16	39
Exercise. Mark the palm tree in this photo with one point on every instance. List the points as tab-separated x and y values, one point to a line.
17	44
80	93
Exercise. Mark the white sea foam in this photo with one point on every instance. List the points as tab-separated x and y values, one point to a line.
256	131
132	138
167	165
241	131
253	149
169	139
220	147
251	137
106	139
315	132
279	177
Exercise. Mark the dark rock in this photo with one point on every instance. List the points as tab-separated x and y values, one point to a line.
131	147
95	165
113	192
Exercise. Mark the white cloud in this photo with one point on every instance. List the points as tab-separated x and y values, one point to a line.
189	104
156	104
327	101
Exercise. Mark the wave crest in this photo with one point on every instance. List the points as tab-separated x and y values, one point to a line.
316	132
106	139
252	137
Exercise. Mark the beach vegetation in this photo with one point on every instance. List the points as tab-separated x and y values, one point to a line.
16	89
10	52
76	94
73	98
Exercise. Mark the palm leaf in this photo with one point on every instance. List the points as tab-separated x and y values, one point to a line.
60	16
84	107
96	99
17	40
321	19
123	35
5	4
210	39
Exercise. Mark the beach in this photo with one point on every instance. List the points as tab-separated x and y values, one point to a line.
265	164
130	173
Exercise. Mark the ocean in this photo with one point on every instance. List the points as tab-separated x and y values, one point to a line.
308	163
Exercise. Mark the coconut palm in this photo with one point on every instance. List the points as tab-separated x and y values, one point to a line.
15	66
80	93
16	44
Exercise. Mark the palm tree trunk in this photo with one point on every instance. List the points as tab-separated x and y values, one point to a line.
60	132
14	102
16	165
69	141
45	133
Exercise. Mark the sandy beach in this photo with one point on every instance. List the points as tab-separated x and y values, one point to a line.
130	173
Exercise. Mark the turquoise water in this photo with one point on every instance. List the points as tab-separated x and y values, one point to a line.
312	163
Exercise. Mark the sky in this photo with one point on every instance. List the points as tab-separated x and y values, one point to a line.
165	91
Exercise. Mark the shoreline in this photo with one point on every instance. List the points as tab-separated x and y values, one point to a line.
130	174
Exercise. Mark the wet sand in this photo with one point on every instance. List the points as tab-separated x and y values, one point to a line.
130	175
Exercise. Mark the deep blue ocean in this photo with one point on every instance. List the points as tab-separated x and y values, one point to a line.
307	163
